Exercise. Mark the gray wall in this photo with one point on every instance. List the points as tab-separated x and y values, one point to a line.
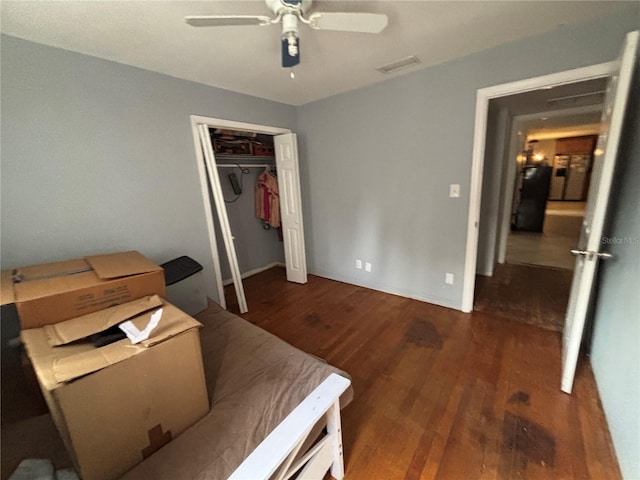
615	353
255	246
378	161
495	168
99	157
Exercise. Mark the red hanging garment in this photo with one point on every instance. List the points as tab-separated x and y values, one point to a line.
267	199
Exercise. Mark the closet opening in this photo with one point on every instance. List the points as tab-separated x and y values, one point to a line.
249	176
247	168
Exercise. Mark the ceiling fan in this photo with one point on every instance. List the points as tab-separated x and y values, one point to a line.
289	13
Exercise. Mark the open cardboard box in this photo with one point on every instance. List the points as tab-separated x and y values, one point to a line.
53	292
117	404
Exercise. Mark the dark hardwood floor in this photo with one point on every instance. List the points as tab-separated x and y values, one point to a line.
526	293
440	394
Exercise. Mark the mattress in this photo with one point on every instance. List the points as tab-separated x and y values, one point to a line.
254	381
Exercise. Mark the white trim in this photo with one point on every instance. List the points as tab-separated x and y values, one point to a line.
204	186
245	127
208	212
385	288
223	219
479	136
279	447
255	271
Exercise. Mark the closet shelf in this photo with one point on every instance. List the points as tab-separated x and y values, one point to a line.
226	158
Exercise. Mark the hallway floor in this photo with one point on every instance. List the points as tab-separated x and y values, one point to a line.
551	247
526	293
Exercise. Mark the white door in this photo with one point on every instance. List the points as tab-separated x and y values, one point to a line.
216	191
286	147
588	252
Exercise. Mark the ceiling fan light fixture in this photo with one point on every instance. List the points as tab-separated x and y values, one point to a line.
289	13
399	65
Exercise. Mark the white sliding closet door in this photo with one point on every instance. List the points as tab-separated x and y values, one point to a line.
286	147
216	190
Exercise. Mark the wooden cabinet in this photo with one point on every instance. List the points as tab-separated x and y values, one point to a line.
576	145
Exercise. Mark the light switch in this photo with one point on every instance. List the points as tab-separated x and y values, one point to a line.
454	190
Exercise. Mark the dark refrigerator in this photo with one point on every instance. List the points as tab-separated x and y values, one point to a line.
531	198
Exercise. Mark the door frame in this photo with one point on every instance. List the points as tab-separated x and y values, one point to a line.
212	122
483	96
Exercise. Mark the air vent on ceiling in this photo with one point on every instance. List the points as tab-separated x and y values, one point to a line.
575	98
395	66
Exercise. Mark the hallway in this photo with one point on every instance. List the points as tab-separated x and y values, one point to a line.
551	247
527	293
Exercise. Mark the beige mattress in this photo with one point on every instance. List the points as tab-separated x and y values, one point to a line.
254	380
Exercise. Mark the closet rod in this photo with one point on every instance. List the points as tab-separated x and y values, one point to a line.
248	165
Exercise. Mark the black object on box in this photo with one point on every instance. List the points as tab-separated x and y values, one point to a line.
179	268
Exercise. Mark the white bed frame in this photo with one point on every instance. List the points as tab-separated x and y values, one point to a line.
278	451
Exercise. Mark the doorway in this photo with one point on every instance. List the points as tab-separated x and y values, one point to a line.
589	251
213	196
545	198
484	96
529	278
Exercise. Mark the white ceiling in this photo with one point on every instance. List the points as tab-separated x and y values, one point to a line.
558	127
153	35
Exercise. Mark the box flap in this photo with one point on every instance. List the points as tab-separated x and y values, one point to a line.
80	364
46	273
123	264
46	287
6	288
81	327
52	270
172	323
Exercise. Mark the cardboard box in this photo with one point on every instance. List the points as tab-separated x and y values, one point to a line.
54	292
117	404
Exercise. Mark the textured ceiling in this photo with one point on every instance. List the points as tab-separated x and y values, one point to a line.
153	35
565	110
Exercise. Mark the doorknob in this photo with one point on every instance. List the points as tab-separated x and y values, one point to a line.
590	255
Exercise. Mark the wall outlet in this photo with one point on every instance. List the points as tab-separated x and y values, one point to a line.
367	267
454	190
448	278
358	263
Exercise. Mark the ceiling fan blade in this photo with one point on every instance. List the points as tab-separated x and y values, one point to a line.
349	22
227	20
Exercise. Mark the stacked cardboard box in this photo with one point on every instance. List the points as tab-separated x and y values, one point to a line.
113	405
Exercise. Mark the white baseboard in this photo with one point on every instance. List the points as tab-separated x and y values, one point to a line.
255	271
381	287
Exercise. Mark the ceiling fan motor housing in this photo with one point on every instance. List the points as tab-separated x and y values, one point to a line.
290	41
282	6
290	12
